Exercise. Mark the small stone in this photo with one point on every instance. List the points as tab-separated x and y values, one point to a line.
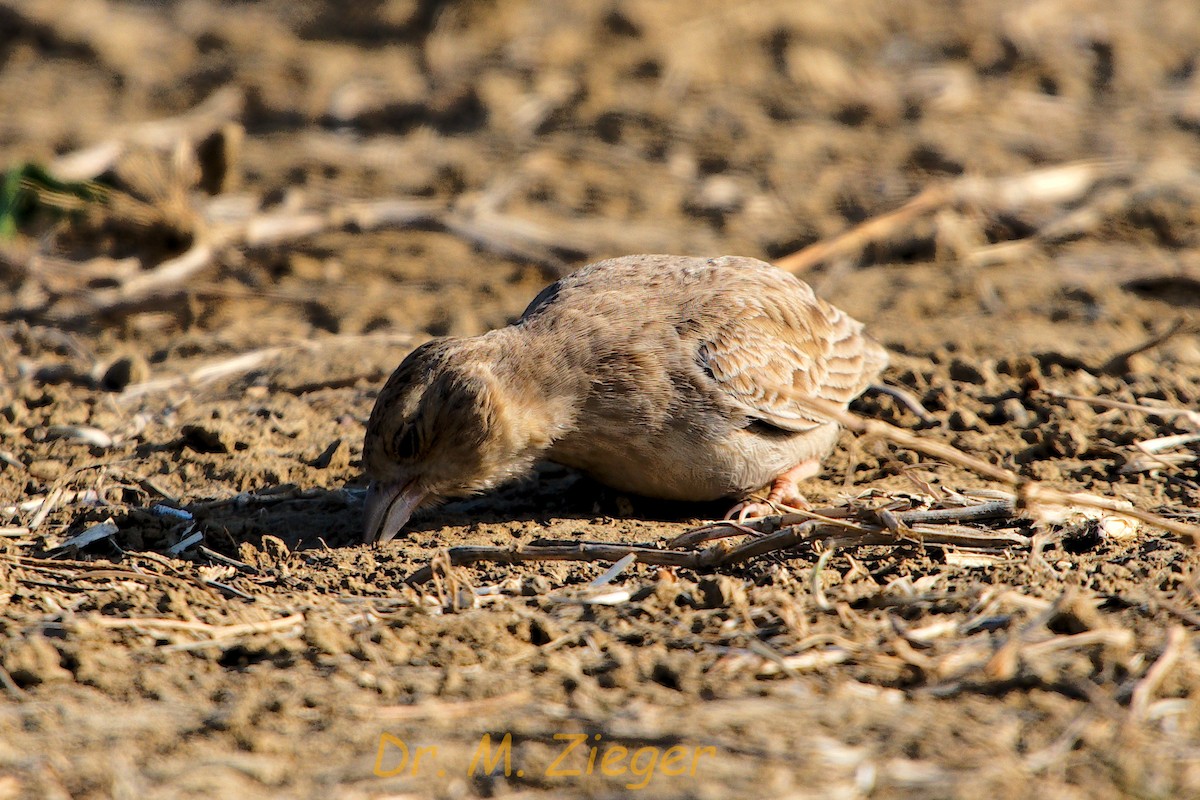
1070	443
205	439
275	549
47	470
534	585
1013	410
966	372
35	661
334	455
123	372
720	193
965	420
721	591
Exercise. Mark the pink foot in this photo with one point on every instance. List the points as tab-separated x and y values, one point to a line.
784	494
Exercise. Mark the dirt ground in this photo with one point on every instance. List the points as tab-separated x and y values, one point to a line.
300	192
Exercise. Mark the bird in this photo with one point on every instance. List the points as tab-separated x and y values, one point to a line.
659	375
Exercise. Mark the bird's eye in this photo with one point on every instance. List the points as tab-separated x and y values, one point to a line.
405	445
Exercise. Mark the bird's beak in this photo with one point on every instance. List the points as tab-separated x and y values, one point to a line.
388	507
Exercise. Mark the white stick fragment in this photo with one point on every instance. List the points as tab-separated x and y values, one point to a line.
81	433
1052	185
87	497
246	362
183	544
611	574
201	375
613	597
1161	443
95	533
960	558
803	662
1191	416
170	274
1108	525
43	510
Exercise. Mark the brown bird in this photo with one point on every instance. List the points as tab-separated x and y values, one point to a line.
659	375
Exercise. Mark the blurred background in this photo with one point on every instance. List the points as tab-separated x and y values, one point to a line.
520	139
222	225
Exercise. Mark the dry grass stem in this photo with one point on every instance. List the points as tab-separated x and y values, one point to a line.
1119	363
246	362
1051	185
796	529
152	624
1166	412
1029	492
218	109
1144	692
169	276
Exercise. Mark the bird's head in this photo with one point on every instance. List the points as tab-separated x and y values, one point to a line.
442	427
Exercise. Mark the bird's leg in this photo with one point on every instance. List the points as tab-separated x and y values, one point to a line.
784	493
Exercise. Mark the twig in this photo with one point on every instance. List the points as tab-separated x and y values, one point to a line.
212	631
993	509
845	532
508	236
503	234
231	590
1160	443
199	376
815	585
246	362
1108	637
283	493
224	559
858	237
1050	185
613	572
726	528
277	227
170	275
221	107
1029	492
1119	363
48	501
1166	412
1150	455
1148	685
87	570
584	551
51	500
905	398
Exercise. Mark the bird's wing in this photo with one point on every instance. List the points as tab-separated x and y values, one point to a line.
775	348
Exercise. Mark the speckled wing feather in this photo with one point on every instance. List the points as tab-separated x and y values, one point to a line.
790	341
